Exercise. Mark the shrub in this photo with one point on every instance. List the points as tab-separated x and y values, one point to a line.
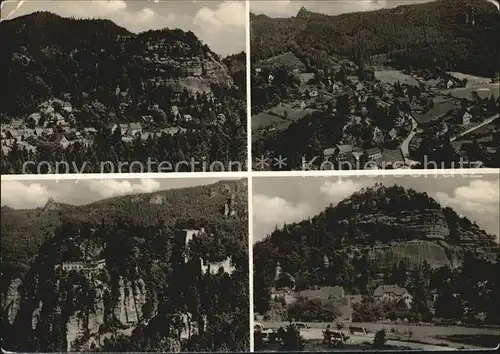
379	340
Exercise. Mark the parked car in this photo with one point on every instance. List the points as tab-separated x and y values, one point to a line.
301	326
359	331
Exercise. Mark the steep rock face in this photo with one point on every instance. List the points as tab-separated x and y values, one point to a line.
11	300
424	224
86	327
413	253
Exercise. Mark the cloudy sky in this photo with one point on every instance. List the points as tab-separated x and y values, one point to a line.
288	8
219	24
289	199
33	194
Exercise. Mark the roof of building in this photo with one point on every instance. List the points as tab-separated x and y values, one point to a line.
16	123
373	151
389	289
135	126
345	148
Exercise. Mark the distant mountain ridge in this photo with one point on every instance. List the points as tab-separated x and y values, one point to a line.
454	34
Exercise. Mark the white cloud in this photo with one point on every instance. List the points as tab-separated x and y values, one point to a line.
230	13
478	197
20	195
479	201
108	188
271	211
342	188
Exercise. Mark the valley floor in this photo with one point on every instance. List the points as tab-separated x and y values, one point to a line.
422	337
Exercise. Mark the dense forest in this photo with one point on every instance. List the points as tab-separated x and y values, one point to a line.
456	35
107	76
336	246
137	241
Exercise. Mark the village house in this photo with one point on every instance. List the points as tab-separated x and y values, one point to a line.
303	105
90	130
35	117
377	135
16	124
147	119
464	117
134	129
270	78
187	118
374	154
62	142
449	84
174	111
313	93
82	266
392	134
343	152
392	293
329	152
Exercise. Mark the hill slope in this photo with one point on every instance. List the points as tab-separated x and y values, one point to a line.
453	34
386	225
23	231
146	279
48	56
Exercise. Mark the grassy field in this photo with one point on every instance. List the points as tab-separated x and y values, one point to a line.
439	109
438	335
272	117
264	120
391	76
466	92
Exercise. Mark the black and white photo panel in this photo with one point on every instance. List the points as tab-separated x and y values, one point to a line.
376	263
125	265
123	86
354	85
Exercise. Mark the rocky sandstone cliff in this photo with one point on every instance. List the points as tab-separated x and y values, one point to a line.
415	236
102	314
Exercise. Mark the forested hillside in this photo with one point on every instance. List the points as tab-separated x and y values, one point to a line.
456	35
174	99
23	231
401	224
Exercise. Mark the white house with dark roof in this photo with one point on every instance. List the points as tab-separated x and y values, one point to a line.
134	128
392	293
